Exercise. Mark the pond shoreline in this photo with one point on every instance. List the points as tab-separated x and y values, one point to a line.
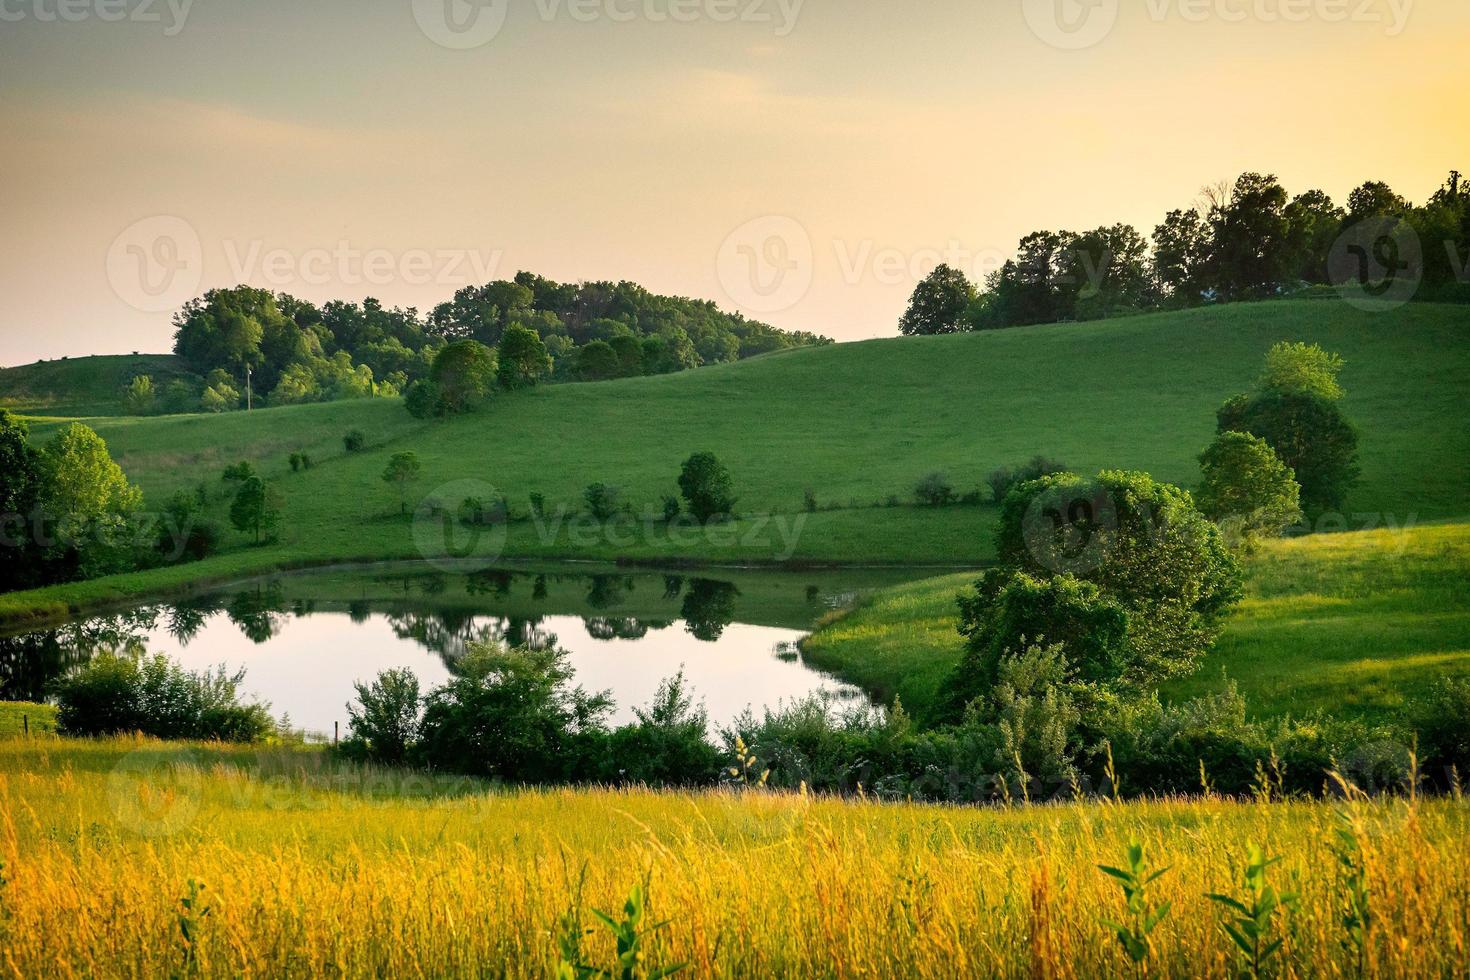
55	605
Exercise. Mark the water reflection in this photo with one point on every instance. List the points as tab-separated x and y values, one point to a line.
303	640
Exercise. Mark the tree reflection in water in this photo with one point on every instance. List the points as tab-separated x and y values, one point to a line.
30	663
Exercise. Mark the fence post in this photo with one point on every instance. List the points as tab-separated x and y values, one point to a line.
335	725
25	724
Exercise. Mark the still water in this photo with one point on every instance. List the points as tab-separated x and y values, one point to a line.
304	639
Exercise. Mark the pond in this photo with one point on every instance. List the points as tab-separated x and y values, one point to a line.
304	639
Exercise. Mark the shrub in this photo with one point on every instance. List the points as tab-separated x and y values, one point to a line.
934	490
707	487
182	535
385	717
538	504
1007	613
669	746
671	509
1443	722
512	713
602	500
809	500
140	397
423	400
1247	490
1036	713
1143	544
354	441
116	694
295	462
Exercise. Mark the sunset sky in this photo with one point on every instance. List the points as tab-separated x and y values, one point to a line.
591	140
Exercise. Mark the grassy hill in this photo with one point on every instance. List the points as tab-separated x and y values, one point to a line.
1356	624
857	424
79	387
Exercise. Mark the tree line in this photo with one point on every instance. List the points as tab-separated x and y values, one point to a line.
248	343
1241	241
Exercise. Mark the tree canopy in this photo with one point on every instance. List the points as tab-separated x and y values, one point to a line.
1246	239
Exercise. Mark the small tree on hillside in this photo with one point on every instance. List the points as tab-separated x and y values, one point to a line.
707	487
254	511
523	358
938	304
1247	490
1294	408
1309	434
402	470
602	500
934	490
140	397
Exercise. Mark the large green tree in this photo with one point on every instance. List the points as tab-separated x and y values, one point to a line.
1144	545
88	500
1294	408
1310	435
522	357
938	304
21	487
464	373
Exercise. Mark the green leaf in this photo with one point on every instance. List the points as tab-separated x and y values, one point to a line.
1227	900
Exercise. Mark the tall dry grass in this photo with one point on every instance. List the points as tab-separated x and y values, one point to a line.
118	861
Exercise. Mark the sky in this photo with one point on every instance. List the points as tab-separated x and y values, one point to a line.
802	161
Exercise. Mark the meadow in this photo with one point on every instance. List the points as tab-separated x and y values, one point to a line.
856	424
1354	624
130	858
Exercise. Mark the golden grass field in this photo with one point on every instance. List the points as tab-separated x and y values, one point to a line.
301	868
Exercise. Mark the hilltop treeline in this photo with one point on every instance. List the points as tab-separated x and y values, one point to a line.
1249	240
296	351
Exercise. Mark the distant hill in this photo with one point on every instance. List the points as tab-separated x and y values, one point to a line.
80	387
858	424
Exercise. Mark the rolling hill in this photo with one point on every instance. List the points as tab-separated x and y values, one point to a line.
857	424
83	386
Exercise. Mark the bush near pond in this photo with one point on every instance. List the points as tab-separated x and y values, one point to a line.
115	694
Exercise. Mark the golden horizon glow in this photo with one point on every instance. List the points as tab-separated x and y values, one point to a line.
587	147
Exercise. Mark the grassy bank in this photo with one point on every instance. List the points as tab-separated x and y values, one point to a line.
1354	624
300	868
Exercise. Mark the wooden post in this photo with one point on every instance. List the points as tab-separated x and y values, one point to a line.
25	724
335	725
